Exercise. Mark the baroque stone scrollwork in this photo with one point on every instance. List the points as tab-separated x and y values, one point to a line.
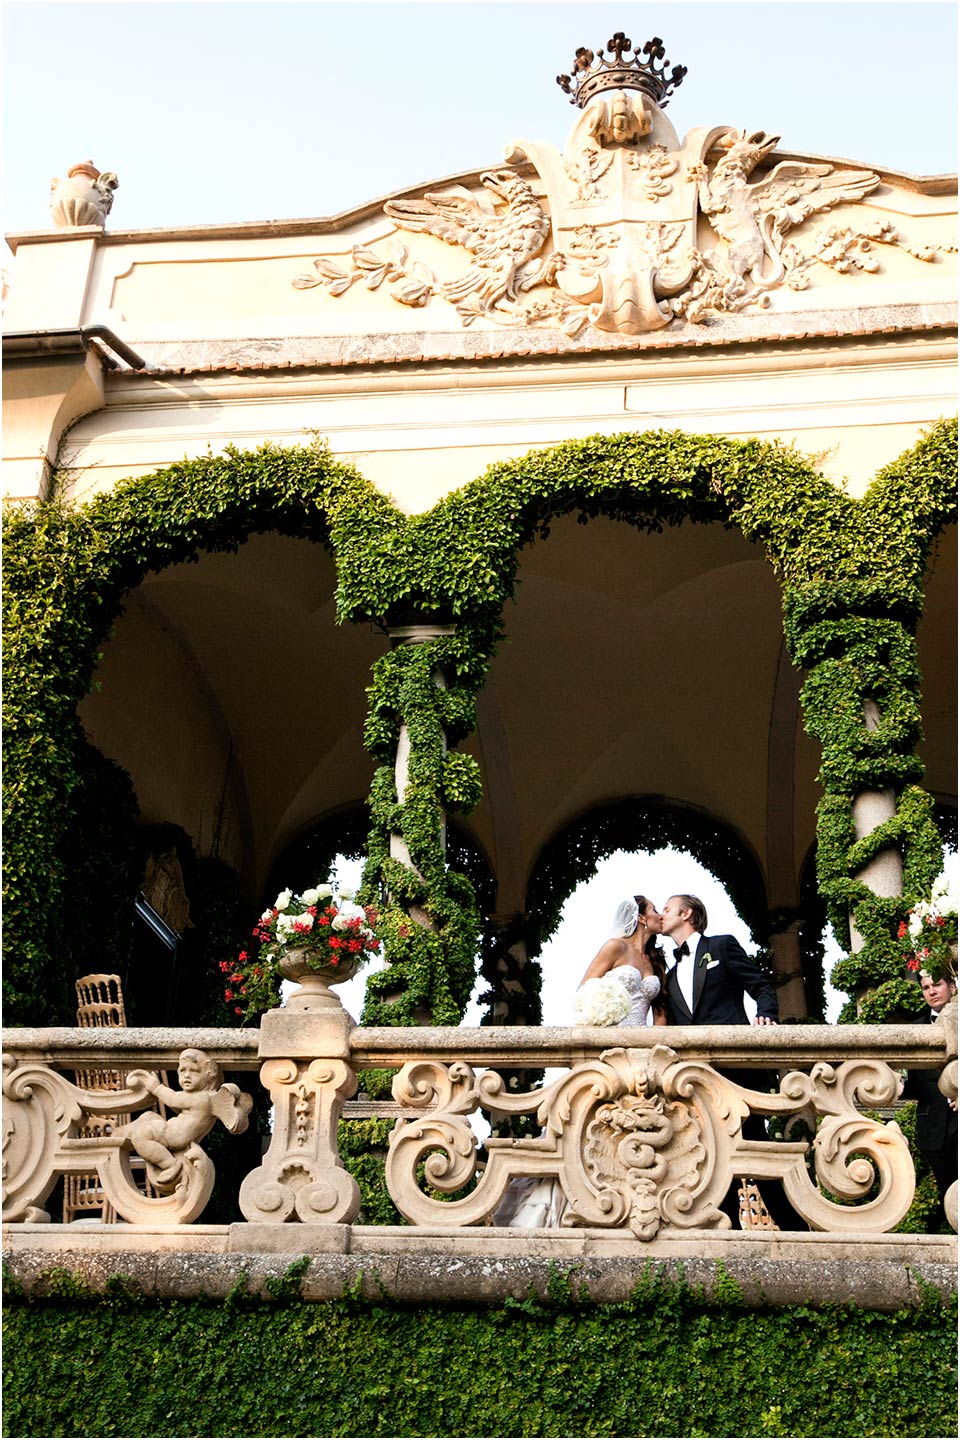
645	1140
845	250
630	229
45	1113
301	1177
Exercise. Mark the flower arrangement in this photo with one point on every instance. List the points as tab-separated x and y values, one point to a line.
928	936
325	925
601	1001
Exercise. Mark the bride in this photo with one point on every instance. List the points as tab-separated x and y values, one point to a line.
632	956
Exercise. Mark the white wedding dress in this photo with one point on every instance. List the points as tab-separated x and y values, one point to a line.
531	1204
642	990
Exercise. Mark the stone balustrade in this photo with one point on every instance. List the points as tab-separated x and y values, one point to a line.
642	1133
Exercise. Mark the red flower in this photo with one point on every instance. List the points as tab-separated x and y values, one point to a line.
403	930
939	920
913	963
243	956
238	1009
354	946
903	930
335	943
228	994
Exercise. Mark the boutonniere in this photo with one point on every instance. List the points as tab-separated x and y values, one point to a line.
704	960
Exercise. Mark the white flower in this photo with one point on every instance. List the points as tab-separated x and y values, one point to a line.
347	894
345	914
282	900
915	924
946	891
323	891
310	897
267	916
285	926
601	1001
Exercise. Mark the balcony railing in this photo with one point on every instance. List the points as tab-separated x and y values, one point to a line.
642	1134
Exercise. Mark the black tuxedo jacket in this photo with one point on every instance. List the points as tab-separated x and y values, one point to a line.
718	988
936	1121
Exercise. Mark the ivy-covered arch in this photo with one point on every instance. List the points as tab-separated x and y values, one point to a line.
851	572
852	577
66	574
643	822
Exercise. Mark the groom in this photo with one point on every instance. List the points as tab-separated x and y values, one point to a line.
710	973
705	986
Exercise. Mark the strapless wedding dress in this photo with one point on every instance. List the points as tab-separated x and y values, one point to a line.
642	990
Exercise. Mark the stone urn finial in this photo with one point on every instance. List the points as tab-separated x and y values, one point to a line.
84	198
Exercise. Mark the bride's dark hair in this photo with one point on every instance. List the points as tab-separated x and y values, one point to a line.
655	955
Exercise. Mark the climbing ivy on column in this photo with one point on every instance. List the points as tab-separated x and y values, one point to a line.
429	919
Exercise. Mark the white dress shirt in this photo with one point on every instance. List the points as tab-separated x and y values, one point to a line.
685	970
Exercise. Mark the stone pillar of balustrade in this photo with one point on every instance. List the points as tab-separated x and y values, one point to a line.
305	1051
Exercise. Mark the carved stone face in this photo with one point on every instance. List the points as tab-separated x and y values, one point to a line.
189	1074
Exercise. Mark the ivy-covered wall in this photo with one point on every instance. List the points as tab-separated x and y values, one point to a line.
666	1362
852	575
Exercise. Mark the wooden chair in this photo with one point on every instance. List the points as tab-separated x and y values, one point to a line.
754	1214
99	1005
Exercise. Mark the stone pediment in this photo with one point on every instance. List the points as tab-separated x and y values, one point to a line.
628	236
721	224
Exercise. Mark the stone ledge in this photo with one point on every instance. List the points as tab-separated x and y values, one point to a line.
482	1266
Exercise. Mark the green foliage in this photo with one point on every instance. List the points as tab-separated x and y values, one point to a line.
669	1361
362	1145
852	575
66	573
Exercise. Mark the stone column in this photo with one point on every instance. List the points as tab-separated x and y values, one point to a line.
871	808
788	965
412	635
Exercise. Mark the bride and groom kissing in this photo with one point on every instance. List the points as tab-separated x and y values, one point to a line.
705	978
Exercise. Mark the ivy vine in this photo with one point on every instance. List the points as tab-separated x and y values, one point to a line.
852	575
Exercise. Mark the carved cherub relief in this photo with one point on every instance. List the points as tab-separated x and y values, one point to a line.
164	1143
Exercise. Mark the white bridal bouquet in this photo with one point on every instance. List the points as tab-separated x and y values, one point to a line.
602	1001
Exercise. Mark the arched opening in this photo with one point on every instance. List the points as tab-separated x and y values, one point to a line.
646	665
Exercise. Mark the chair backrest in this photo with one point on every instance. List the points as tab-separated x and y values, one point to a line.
100	1001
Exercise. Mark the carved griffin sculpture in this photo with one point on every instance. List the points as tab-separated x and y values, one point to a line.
503	243
754	217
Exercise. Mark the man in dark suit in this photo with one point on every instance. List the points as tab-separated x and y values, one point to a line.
705	986
711	973
936	1115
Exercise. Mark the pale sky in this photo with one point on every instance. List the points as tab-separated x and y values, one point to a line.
213	113
219	112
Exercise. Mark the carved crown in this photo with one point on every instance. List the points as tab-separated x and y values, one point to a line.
622	72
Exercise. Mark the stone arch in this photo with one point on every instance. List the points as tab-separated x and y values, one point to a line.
847	567
69	573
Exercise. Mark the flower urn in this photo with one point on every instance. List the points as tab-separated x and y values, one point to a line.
314	992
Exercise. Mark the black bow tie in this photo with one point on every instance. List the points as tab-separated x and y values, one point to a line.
680	951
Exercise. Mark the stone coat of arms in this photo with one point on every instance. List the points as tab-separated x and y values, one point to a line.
609	232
